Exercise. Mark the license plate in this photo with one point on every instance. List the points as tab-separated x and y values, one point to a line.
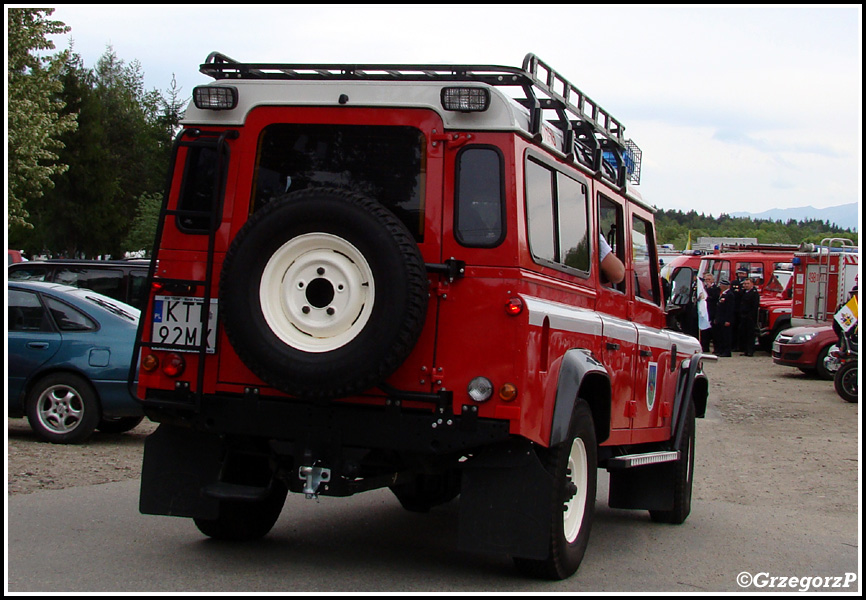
177	323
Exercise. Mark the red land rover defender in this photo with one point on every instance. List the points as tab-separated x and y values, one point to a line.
374	276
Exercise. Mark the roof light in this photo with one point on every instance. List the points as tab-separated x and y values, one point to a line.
215	97
465	99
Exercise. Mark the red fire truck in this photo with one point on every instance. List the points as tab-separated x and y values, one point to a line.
823	277
388	276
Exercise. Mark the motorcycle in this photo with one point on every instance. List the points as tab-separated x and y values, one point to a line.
845	379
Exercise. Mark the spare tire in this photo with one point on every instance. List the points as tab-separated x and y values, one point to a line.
323	293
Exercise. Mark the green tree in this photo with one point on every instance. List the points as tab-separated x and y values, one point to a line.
142	233
35	121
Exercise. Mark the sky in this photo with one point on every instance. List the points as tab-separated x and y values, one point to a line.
735	108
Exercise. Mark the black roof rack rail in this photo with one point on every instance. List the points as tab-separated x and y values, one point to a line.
591	135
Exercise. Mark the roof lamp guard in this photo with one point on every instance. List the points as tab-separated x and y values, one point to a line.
465	99
215	97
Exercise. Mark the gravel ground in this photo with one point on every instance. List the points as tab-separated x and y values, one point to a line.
784	438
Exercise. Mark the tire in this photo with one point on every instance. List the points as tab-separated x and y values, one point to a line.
683	477
119	424
820	369
62	408
243	521
323	293
574	465
846	380
428	490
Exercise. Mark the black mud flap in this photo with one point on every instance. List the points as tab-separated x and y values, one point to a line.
506	502
650	487
178	463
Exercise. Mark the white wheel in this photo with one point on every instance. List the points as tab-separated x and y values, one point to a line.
572	516
317	292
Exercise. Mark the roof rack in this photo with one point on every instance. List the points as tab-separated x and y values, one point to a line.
590	135
759	247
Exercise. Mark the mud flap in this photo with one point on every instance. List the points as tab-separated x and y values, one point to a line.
178	463
506	502
650	487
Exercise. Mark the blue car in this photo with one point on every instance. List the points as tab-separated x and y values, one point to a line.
69	355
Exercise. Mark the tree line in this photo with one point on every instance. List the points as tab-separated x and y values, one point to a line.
89	150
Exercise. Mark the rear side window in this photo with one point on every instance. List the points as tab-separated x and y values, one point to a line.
644	261
68	318
108	282
480	198
557	208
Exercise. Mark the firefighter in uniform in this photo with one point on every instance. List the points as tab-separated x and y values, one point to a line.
750	302
723	320
737	289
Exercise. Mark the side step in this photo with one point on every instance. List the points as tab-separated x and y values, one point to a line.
641	460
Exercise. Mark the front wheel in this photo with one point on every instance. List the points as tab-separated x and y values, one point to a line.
846	381
683	477
574	465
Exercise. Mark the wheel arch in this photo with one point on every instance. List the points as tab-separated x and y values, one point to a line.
581	376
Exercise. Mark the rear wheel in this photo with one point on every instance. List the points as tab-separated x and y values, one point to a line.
62	408
240	521
574	465
846	381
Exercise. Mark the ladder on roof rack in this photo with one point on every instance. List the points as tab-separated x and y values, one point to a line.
590	134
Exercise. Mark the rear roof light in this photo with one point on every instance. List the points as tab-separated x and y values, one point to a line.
465	99
215	97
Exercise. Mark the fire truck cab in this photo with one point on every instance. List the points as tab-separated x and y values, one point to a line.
388	276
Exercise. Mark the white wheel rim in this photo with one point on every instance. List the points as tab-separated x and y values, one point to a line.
578	476
317	292
60	409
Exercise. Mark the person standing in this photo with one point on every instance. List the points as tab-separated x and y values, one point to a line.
724	319
712	293
737	289
750	302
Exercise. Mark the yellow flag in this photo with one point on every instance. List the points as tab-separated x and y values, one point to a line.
689	243
847	315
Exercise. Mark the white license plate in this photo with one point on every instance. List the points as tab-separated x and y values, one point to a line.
177	323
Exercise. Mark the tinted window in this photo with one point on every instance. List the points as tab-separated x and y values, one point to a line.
201	188
479	198
105	281
383	163
137	289
26	312
29	273
68	318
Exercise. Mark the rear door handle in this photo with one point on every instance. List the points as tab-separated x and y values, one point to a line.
612	346
37	345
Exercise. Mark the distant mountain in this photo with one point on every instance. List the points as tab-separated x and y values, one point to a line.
844	216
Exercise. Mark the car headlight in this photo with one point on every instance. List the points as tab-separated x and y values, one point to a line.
802	338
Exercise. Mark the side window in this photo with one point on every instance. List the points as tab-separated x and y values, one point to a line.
137	289
68	318
539	209
645	265
721	269
573	230
26	312
557	208
610	225
105	281
479	206
28	274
